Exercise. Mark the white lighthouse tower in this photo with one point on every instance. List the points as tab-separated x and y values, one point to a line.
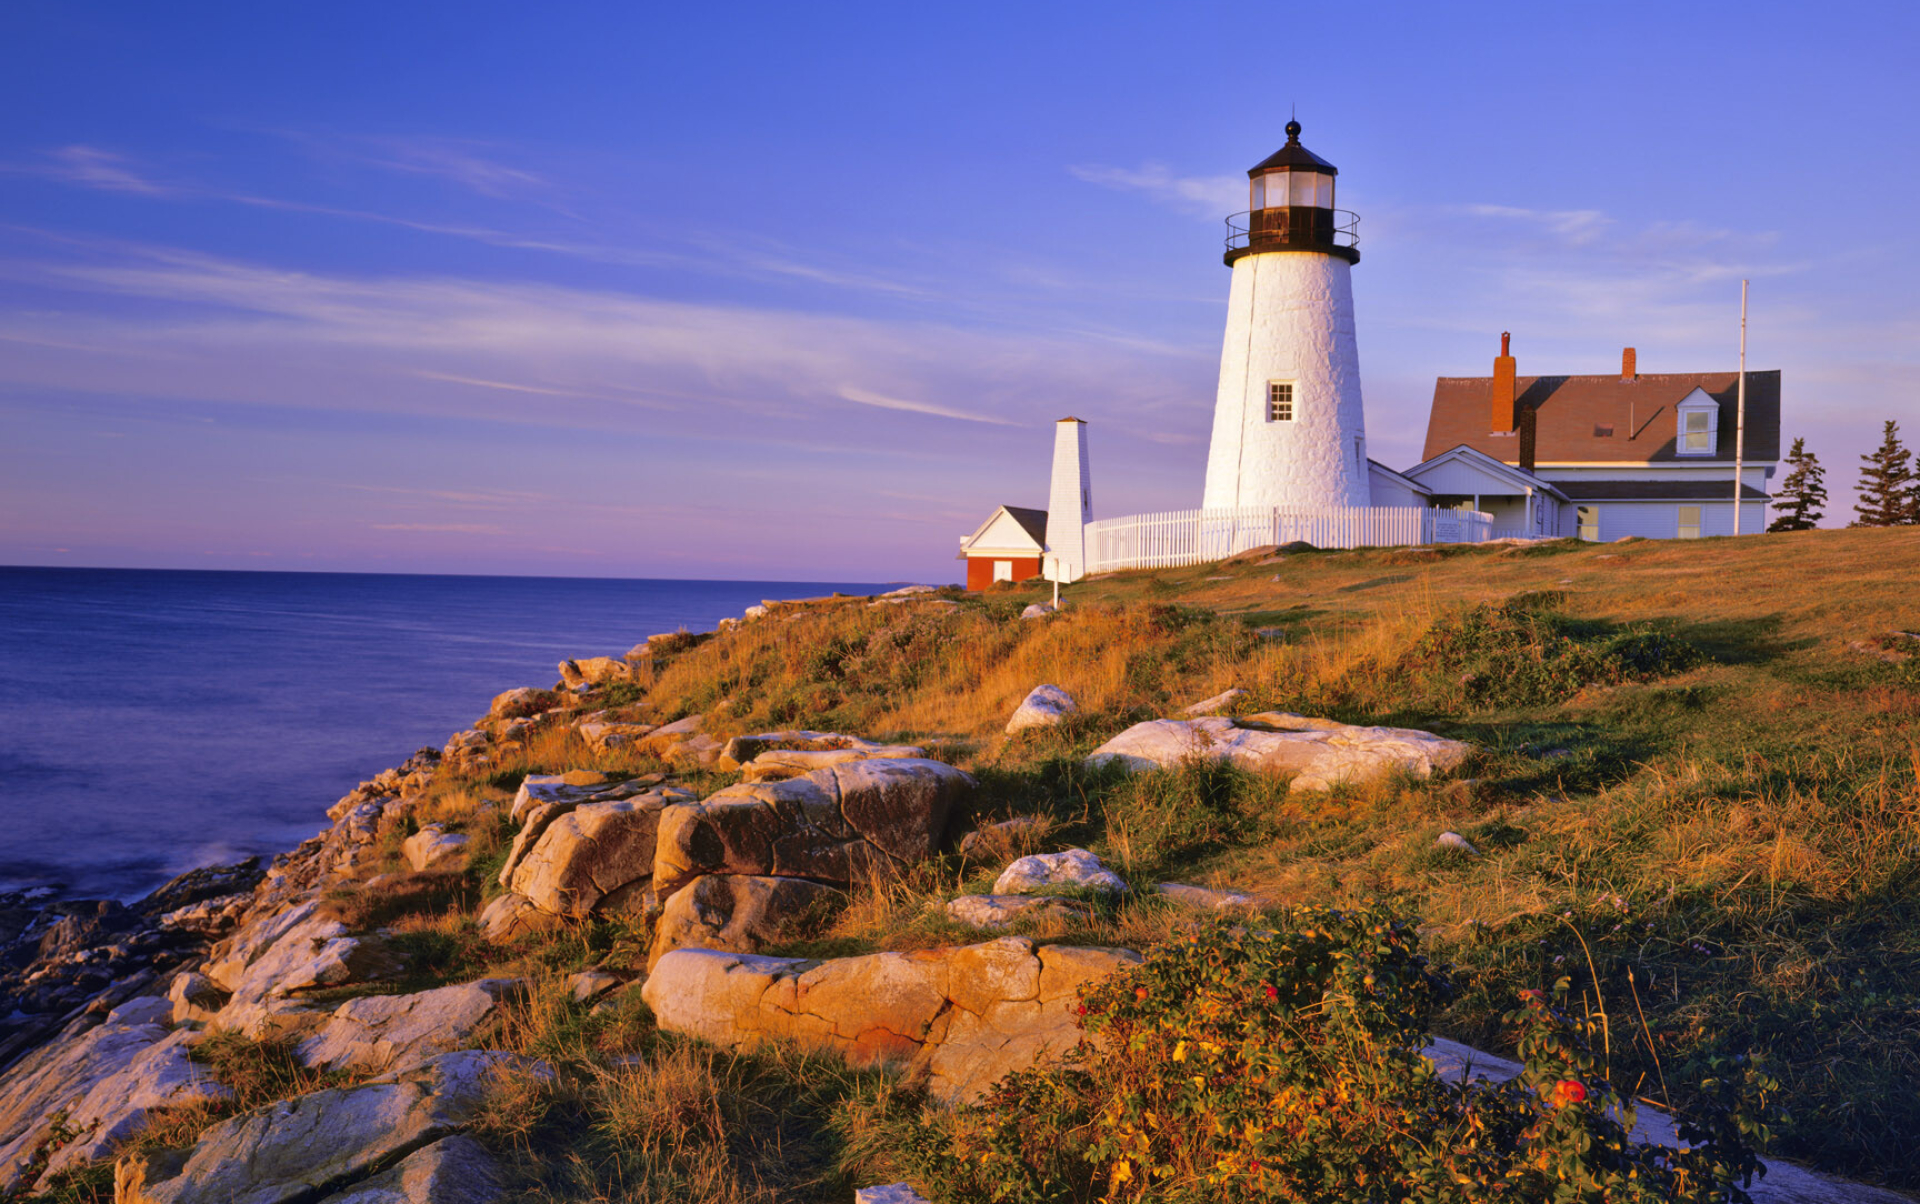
1288	428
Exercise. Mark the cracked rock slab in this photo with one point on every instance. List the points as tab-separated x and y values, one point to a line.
739	912
311	1145
962	1017
1319	753
453	1170
399	1032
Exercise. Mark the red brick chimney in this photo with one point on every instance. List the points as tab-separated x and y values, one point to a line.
1503	388
1629	366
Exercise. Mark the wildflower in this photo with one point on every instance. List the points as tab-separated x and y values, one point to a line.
1139	992
1568	1091
1272	993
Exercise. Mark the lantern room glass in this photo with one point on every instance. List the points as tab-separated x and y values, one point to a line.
1288	189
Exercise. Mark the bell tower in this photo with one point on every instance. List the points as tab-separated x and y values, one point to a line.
1288	425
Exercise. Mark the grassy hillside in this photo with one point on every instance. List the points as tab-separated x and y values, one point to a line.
1698	790
1695	793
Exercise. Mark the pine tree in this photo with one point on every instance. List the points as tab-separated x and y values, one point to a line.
1886	484
1803	495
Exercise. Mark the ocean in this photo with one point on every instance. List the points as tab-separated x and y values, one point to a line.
152	721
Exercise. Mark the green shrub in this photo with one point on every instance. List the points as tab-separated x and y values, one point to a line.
1286	1064
1519	653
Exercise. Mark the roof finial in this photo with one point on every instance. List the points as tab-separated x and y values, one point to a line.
1293	122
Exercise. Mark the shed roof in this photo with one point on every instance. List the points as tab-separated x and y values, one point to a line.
1032	523
1569	411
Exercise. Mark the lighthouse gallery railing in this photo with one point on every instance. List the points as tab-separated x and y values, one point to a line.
1178	537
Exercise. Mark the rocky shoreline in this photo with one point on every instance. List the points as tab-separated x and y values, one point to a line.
107	1009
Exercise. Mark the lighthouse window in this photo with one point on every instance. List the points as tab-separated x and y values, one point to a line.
1280	401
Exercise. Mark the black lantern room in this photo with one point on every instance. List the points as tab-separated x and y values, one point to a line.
1290	207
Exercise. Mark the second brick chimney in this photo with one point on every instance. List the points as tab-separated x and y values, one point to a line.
1503	387
1629	366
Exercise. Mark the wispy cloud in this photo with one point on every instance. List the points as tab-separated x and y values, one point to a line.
1576	227
880	401
90	167
1202	196
737	255
203	326
460	162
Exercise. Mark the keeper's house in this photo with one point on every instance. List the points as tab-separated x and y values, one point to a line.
1007	547
1601	457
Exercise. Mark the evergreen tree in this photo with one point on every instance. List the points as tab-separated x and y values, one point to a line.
1886	483
1803	495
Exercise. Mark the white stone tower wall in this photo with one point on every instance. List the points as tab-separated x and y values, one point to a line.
1069	502
1289	317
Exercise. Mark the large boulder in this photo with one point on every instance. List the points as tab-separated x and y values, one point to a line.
324	1142
739	912
597	671
509	917
1319	753
1075	869
522	703
1044	706
682	742
595	853
773	756
550	799
433	847
841	824
960	1017
391	1033
96	1089
307	951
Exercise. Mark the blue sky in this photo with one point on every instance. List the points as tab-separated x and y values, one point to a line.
798	290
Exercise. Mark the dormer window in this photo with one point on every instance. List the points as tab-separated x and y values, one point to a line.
1698	432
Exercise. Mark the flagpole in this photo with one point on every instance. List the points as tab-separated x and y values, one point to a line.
1740	425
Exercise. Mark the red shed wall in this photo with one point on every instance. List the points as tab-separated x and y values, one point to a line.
980	569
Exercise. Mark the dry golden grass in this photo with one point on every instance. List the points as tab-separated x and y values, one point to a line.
1743	834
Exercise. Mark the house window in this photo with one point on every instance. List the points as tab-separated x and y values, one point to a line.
1003	570
1689	522
1603	430
1696	432
1589	520
1280	401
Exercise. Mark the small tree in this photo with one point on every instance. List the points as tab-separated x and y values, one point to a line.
1886	484
1803	494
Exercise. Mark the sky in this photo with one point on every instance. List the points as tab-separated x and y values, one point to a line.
798	291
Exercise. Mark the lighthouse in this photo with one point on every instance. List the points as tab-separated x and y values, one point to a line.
1288	426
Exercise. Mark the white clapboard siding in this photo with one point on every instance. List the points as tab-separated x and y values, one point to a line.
1177	537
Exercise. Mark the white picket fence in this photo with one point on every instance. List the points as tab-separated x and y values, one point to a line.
1178	537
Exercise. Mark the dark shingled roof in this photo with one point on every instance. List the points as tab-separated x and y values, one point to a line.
1294	156
1033	522
1568	410
1659	491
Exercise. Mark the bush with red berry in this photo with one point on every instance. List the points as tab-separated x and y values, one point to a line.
1284	1063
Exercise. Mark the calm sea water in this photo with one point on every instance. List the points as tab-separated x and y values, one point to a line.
153	721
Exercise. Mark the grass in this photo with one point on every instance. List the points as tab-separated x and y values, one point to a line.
1689	794
1681	763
